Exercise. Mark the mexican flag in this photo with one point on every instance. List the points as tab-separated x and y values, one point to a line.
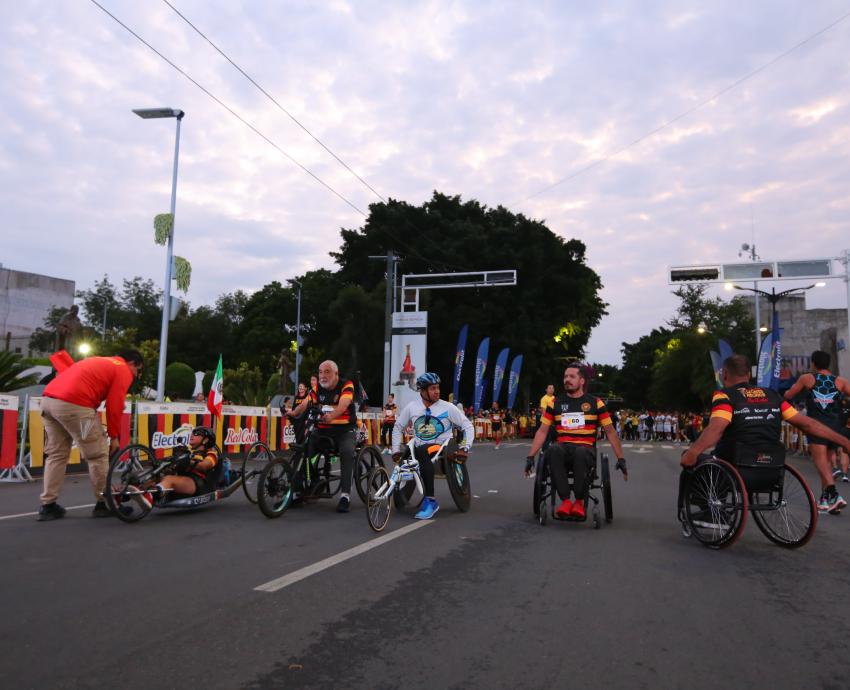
215	397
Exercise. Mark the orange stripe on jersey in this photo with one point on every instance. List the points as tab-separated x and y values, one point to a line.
722	414
719	395
788	410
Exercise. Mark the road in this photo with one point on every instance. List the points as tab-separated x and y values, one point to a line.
486	599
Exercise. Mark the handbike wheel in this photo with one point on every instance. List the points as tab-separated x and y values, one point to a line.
368	459
327	475
457	477
715	503
258	456
542	489
607	502
274	488
378	505
792	523
130	469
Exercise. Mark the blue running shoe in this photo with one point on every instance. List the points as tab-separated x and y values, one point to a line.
429	509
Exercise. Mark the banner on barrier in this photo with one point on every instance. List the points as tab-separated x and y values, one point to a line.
241	427
38	439
164	426
281	432
8	431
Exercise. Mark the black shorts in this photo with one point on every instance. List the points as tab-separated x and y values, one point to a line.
496	426
202	485
818	441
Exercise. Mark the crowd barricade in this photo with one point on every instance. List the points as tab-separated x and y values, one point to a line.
371	426
281	432
164	426
37	436
8	431
794	439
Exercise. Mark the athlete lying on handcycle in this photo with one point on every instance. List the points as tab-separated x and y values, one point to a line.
194	469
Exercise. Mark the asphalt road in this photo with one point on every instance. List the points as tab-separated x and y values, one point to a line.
486	599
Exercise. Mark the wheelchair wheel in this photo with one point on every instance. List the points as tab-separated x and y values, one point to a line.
715	503
792	522
368	459
129	469
403	496
258	456
274	488
378	505
457	477
607	502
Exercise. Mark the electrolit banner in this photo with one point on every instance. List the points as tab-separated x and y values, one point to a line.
770	357
499	373
408	354
513	380
480	369
459	354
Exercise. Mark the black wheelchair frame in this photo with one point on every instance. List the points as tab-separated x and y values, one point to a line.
546	496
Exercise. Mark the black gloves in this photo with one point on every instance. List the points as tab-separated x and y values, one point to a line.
529	464
621	465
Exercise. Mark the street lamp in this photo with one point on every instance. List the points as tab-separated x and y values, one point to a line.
773	297
154	114
84	349
701	328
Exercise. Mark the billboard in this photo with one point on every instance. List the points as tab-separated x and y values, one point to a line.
408	354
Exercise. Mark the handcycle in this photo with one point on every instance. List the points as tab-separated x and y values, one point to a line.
385	489
716	496
135	469
545	495
321	472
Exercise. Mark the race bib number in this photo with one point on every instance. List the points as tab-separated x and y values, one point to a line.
326	409
572	420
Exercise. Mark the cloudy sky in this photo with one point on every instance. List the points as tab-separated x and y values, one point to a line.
495	101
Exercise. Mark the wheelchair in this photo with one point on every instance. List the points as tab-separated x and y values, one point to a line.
716	496
599	481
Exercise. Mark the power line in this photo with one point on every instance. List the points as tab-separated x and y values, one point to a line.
230	110
698	106
273	100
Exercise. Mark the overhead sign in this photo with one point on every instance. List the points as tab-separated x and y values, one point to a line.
752	270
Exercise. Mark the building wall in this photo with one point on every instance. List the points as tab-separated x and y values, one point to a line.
25	301
806	330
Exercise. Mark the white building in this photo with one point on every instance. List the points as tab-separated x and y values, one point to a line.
25	300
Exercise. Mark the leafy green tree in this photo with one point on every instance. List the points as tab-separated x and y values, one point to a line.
11	366
179	381
245	385
43	338
102	300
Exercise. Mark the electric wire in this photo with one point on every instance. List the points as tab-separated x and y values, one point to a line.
689	111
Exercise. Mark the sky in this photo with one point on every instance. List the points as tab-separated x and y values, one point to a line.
494	101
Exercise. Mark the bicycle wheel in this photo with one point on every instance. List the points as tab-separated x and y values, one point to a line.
130	469
378	504
715	503
258	456
607	502
274	488
457	477
368	459
792	522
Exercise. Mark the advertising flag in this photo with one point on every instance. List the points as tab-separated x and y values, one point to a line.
459	354
717	366
770	357
480	368
513	380
216	396
499	373
724	349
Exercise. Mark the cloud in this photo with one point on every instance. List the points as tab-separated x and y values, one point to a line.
491	101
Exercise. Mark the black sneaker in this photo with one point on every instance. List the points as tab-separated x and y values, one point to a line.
101	510
50	511
342	506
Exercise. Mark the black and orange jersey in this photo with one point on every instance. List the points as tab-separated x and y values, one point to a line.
576	420
754	414
199	456
389	413
327	400
299	399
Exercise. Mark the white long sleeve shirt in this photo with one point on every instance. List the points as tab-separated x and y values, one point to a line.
432	424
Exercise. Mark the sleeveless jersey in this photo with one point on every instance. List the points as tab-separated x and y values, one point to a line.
823	401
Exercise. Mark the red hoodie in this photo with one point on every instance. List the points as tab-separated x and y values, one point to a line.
91	381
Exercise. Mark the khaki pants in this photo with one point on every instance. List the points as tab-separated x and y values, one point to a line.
65	423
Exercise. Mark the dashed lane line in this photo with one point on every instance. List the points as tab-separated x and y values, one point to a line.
303	573
22	515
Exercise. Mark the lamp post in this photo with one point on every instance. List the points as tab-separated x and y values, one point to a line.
297	336
153	114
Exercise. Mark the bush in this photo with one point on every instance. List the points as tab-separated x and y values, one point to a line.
179	381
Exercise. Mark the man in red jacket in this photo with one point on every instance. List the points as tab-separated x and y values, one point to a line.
69	411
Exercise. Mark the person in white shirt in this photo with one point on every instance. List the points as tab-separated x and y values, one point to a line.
432	421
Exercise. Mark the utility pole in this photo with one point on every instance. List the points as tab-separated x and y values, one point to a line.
391	259
297	337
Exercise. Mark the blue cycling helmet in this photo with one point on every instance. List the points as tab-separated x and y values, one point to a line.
429	378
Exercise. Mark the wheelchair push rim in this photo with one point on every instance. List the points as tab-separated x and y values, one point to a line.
274	488
715	503
129	469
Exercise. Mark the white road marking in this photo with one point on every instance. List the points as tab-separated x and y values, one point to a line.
492	491
668	447
319	566
20	515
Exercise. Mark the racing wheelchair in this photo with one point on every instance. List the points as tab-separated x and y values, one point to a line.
135	468
715	497
321	472
546	497
385	490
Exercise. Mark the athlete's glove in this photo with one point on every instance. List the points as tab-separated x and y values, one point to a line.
182	461
529	464
461	455
621	465
396	458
